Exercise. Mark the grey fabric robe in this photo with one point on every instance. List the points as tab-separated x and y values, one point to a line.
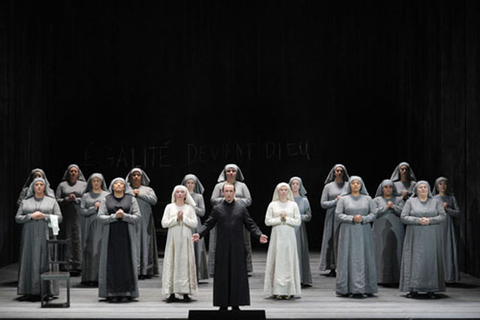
243	196
388	235
92	235
71	228
34	250
422	259
448	238
106	218
230	282
302	241
201	256
356	270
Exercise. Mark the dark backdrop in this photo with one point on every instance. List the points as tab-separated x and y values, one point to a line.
280	88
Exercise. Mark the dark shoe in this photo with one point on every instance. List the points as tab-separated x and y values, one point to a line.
412	295
186	298
344	295
431	295
332	273
223	309
112	299
235	308
171	298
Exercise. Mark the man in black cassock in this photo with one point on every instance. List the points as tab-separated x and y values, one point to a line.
230	281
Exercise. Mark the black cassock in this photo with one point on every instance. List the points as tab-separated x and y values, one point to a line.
230	281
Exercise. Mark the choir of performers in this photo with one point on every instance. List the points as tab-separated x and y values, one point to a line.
36	213
356	271
179	274
232	174
335	186
282	272
119	213
93	195
422	259
69	194
146	241
196	189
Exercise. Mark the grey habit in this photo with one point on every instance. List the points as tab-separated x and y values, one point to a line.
388	235
201	256
93	230
71	228
301	234
27	183
422	259
33	249
107	218
356	270
243	196
448	236
329	202
147	249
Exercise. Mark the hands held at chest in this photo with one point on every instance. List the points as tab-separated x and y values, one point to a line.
136	192
72	197
283	216
119	214
96	206
389	205
357	218
424	221
180	216
37	215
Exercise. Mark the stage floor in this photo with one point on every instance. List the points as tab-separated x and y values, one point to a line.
317	302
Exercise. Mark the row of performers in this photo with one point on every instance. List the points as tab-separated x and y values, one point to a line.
115	221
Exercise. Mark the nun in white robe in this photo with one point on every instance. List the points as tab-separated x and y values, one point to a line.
407	185
388	234
35	173
179	272
328	201
356	270
422	259
448	238
72	226
201	255
93	229
147	249
35	232
301	233
118	278
282	272
242	194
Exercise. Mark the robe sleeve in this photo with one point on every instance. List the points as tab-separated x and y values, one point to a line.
56	212
442	215
406	217
22	195
84	211
58	195
148	195
103	215
379	208
190	218
246	200
169	218
454	210
397	208
200	208
270	220
209	224
296	220
216	195
324	202
134	216
341	216
371	215
307	216
21	217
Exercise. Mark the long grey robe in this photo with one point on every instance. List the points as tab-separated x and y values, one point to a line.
71	227
230	282
243	196
146	238
356	271
201	256
422	259
106	218
92	235
302	240
33	249
388	235
329	202
448	238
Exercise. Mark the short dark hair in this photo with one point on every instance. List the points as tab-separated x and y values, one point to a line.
229	184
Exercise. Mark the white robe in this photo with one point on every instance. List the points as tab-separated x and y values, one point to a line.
179	271
282	273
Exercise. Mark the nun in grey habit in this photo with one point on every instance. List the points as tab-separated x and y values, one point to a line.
356	271
422	259
300	197
69	194
335	186
404	179
93	195
196	189
147	249
35	173
37	211
388	233
444	194
233	174
119	213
